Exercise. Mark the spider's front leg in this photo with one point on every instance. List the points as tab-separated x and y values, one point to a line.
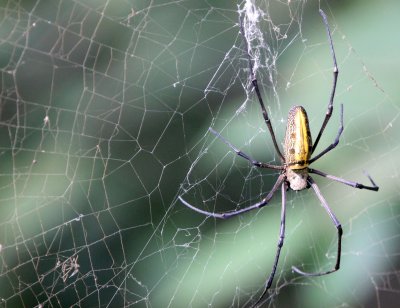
268	282
339	232
227	215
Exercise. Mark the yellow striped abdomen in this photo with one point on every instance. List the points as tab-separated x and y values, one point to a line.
298	142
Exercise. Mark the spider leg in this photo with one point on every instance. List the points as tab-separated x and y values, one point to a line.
256	88
346	182
226	215
245	156
335	143
279	246
339	230
335	77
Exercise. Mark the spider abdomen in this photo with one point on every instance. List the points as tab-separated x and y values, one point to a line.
298	142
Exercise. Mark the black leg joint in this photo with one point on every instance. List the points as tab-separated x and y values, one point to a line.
340	230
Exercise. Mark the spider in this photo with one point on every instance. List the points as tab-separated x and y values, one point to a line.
296	158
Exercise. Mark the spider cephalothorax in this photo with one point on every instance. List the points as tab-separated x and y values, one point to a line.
298	150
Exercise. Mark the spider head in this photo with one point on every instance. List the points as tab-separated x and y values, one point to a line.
297	178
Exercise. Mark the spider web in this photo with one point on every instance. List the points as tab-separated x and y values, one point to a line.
105	110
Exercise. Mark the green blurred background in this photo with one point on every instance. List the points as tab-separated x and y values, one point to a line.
105	110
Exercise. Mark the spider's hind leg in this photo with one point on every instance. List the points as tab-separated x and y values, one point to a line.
373	187
245	156
258	92
335	78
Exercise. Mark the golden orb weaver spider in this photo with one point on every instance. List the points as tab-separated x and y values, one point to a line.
294	171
